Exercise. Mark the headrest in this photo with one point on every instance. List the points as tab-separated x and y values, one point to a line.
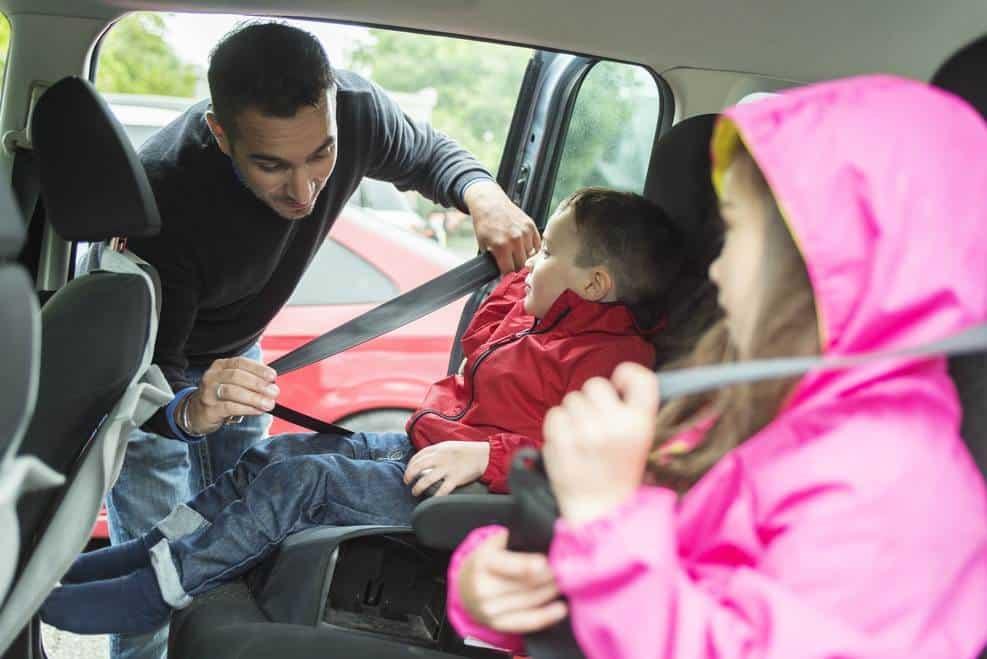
93	185
12	229
679	182
965	74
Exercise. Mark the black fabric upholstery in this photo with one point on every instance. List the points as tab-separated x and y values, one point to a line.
92	183
965	74
94	331
18	318
226	623
679	181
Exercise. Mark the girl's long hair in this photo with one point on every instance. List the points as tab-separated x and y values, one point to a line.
786	327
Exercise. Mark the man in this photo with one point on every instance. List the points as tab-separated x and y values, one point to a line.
248	187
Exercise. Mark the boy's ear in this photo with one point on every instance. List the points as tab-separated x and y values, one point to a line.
600	286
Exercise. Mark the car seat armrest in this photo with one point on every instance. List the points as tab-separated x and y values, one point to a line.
444	522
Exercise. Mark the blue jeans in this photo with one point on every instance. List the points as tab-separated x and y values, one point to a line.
159	473
285	485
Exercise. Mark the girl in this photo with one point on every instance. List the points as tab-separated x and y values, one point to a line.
835	515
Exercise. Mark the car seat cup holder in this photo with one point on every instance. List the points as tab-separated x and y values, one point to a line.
531	529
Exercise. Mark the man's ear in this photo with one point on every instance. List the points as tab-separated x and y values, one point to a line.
222	137
600	286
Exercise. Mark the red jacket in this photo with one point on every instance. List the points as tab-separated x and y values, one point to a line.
518	368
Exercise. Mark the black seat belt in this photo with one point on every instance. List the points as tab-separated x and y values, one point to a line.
397	312
535	508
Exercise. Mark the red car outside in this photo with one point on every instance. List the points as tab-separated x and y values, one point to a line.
365	261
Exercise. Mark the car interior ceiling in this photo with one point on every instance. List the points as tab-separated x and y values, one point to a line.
362	591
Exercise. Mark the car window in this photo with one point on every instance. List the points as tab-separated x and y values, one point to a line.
4	49
611	131
152	66
365	284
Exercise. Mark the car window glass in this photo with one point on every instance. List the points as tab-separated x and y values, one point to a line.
152	66
4	50
365	284
611	131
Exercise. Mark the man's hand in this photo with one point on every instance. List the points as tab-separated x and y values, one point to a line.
232	387
598	440
508	591
453	463
502	228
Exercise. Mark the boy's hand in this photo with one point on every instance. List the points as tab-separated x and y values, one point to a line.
453	463
510	592
597	442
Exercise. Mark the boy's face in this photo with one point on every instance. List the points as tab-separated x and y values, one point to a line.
554	269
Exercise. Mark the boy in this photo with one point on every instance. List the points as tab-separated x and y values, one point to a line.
607	259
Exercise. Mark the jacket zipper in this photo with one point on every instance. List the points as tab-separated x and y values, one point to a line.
476	366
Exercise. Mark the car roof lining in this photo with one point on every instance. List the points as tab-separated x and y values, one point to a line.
797	40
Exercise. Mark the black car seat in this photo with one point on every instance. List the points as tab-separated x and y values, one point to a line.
965	74
97	337
21	323
380	592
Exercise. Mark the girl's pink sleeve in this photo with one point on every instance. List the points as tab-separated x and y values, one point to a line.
458	615
629	596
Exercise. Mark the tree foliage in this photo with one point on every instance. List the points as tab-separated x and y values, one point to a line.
135	58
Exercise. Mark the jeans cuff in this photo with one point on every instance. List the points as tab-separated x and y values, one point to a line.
180	522
168	580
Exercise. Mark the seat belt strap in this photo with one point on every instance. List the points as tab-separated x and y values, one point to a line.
685	382
397	312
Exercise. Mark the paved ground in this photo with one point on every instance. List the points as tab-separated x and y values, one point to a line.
63	645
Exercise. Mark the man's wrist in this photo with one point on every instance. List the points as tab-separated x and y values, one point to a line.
184	422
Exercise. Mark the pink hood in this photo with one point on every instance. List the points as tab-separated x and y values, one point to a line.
894	238
855	524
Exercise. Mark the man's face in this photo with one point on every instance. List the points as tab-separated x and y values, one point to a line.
285	162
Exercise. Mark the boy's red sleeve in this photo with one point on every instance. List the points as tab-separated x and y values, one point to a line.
493	310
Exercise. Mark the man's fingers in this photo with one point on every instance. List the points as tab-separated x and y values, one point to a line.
260	370
249	381
505	259
237	409
637	386
525	622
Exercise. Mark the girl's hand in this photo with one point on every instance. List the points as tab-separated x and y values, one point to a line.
597	442
453	463
507	591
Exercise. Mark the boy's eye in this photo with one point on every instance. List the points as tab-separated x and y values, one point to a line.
269	167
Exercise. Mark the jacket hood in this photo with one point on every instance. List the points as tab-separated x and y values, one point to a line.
883	184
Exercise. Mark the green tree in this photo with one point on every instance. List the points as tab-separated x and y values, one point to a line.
608	142
476	83
135	58
4	43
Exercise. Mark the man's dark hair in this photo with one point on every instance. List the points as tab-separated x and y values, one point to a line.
637	242
273	67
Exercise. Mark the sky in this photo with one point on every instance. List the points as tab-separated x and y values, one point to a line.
194	35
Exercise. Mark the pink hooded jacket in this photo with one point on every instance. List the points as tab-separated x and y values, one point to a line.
855	524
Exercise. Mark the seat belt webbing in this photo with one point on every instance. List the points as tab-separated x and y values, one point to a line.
397	312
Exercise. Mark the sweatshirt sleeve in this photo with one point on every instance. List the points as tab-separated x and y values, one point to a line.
630	597
415	156
458	615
